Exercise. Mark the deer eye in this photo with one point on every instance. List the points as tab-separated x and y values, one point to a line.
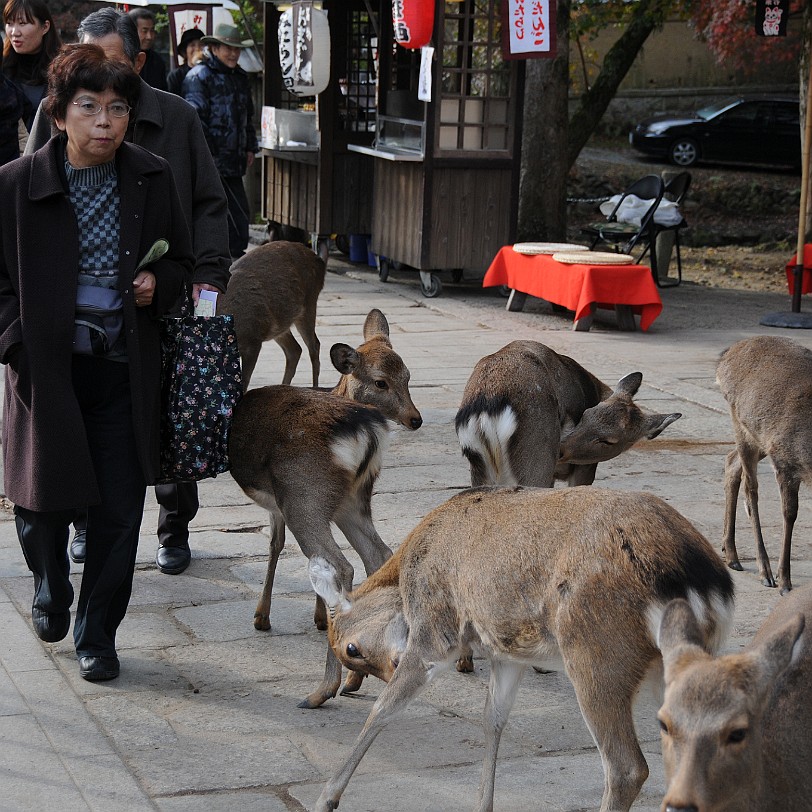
352	650
381	384
606	441
737	736
663	726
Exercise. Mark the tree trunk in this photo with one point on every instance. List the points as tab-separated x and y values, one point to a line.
543	178
646	16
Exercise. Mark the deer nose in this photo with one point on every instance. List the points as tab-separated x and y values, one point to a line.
416	422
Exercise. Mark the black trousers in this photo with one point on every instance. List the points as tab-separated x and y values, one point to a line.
103	390
179	504
238	215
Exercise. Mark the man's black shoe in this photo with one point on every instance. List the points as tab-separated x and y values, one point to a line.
50	626
78	547
98	669
173	560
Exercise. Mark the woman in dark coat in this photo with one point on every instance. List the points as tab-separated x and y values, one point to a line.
79	335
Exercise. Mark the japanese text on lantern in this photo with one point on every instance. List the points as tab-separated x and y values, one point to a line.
529	26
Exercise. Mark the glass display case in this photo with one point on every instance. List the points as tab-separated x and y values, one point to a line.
401	135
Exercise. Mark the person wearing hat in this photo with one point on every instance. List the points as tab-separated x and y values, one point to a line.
218	89
190	50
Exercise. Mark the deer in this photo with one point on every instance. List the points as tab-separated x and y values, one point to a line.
312	457
735	729
272	288
767	383
530	416
531	576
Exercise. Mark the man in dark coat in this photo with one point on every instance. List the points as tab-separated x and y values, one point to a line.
218	89
167	126
190	51
153	71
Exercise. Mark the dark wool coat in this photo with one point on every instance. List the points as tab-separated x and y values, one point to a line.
45	454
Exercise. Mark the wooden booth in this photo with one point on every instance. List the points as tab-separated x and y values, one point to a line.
446	174
311	181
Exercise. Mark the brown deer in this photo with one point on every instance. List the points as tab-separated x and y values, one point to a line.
272	288
530	416
767	382
530	576
736	730
312	457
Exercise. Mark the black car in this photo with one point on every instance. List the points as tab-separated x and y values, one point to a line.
742	130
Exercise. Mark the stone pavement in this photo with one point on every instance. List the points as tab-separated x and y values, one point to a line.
204	715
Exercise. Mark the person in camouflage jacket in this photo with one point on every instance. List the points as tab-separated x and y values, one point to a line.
218	89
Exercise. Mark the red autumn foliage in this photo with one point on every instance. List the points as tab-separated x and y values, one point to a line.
728	27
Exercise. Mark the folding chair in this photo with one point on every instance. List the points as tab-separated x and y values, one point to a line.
625	237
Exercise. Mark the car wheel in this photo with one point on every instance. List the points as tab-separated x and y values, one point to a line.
684	152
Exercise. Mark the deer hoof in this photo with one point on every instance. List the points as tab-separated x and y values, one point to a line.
786	589
465	665
735	565
262	623
769	581
320	624
352	683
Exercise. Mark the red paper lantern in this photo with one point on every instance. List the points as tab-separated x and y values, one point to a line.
413	21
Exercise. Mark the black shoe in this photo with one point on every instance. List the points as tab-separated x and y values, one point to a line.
173	560
50	626
78	547
98	669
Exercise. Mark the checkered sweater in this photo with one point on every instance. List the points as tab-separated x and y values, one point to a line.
95	197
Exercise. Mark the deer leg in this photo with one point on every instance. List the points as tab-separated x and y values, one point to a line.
504	683
749	457
276	543
410	678
353	683
605	687
248	356
582	474
290	346
733	481
354	520
307	330
788	485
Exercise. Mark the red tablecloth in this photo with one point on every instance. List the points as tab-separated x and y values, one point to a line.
806	275
577	287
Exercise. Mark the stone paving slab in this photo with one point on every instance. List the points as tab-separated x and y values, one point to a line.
204	715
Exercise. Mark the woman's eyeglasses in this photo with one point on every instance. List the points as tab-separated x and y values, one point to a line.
88	107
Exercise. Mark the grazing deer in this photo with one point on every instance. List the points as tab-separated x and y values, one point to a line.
530	416
311	458
529	576
767	383
736	730
272	288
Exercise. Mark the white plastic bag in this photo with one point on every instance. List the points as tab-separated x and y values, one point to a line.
634	208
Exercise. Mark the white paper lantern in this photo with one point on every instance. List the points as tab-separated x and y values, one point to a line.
304	49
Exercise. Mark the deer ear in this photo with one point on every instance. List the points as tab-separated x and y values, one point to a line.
345	359
324	578
679	636
629	384
779	650
375	325
655	423
397	634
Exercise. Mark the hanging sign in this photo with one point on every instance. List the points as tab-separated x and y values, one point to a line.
528	29
304	49
413	22
771	18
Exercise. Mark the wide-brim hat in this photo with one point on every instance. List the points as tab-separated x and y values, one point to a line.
226	34
189	35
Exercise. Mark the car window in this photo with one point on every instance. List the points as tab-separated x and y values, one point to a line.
787	115
742	115
712	109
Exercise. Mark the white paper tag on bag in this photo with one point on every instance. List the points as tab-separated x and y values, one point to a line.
207	303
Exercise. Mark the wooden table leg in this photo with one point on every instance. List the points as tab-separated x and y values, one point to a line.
625	317
516	300
582	325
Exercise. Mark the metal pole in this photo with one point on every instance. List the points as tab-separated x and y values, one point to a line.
798	269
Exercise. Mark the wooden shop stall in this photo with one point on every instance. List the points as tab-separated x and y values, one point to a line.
319	95
446	145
